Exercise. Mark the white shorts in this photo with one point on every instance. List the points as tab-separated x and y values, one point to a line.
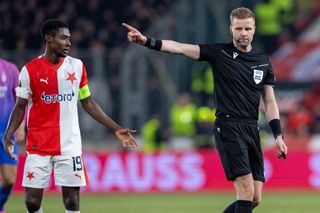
68	171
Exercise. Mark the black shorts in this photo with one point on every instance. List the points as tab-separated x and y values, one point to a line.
239	147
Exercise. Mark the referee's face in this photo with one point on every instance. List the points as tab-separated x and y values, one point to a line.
242	32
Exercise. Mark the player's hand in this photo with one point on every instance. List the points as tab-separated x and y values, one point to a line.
126	138
8	145
134	35
282	148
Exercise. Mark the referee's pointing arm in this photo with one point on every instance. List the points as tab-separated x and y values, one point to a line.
189	50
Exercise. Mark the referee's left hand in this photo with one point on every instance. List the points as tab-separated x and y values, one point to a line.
282	148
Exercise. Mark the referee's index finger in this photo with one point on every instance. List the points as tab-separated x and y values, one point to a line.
128	26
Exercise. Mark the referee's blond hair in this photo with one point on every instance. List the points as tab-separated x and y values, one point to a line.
241	13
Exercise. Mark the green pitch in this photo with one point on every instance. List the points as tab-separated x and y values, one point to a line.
276	202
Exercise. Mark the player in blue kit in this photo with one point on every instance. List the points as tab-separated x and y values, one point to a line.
8	167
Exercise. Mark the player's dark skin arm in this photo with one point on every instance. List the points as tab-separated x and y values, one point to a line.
95	111
16	119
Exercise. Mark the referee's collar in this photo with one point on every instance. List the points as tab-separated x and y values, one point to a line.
239	52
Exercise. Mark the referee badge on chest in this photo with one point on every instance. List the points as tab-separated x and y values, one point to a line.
257	76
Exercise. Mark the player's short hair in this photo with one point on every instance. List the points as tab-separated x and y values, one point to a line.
51	26
241	13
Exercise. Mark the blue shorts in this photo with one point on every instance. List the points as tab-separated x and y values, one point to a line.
5	158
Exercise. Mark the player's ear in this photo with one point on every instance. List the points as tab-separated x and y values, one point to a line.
48	38
230	28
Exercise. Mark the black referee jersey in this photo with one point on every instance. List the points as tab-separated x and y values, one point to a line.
238	79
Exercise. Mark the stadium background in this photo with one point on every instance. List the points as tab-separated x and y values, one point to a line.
166	98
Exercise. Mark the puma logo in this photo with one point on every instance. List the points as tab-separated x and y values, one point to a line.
77	175
44	80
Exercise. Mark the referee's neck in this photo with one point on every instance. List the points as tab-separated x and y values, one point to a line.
241	48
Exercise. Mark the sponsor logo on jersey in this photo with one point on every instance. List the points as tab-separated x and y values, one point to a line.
53	98
78	175
44	80
235	54
257	76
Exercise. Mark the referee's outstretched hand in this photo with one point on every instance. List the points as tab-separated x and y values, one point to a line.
134	35
282	148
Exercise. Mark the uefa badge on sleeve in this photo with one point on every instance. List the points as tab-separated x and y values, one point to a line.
257	76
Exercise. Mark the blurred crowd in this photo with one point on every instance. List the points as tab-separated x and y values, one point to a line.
305	117
92	22
191	122
282	21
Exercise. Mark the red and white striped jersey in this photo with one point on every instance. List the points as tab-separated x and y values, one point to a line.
52	91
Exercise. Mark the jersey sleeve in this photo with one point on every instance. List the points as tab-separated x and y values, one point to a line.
23	90
84	90
15	79
208	52
270	78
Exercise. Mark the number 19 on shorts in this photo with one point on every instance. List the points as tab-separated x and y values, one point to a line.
77	163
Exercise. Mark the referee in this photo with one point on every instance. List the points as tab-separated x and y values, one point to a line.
242	75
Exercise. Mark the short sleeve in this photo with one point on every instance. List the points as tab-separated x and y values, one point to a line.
270	78
208	52
84	90
15	78
203	52
23	90
84	77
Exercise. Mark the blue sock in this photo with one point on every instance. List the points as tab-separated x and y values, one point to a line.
4	195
